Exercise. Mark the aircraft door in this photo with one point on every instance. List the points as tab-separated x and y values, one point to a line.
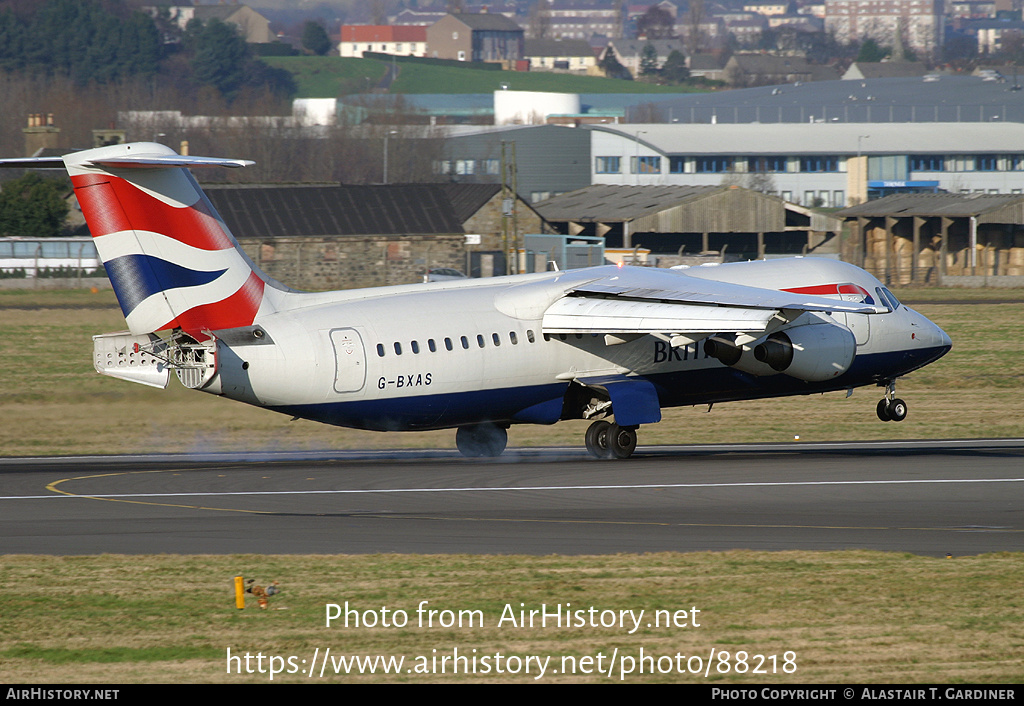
349	360
860	324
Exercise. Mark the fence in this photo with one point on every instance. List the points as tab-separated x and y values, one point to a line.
29	258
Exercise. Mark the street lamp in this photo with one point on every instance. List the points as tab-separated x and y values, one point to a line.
636	164
862	182
386	135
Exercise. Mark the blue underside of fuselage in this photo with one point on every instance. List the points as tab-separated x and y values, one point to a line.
542	404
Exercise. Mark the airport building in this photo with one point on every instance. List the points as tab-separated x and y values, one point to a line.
815	164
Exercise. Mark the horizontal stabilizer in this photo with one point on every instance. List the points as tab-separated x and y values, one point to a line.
143	158
33	163
152	161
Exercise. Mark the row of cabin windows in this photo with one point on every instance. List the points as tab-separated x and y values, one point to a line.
449	344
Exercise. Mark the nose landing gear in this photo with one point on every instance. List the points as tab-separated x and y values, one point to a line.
891	408
606	440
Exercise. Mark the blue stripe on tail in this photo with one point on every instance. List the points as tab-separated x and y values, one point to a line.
137	277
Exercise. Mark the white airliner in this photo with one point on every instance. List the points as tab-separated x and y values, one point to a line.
602	343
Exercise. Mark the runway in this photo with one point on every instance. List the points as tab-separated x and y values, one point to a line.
931	498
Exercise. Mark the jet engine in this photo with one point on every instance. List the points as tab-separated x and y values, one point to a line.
812	353
736	356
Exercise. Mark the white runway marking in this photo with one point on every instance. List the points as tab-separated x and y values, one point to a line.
499	489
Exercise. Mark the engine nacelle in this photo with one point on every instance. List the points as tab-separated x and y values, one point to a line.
742	357
814	353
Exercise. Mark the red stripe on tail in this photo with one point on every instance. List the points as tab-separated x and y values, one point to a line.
194	225
237	310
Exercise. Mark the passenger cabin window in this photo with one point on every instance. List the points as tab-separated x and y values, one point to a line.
415	347
496	339
465	342
480	340
398	348
431	345
512	337
448	343
529	335
380	349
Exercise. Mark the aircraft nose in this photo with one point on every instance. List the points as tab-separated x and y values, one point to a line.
945	342
939	340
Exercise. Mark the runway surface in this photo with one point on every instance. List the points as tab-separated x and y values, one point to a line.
933	498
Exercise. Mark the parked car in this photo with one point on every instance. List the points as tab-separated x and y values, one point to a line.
442	274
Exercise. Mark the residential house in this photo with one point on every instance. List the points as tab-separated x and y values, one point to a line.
481	37
764	70
630	51
860	70
573	55
402	40
253	26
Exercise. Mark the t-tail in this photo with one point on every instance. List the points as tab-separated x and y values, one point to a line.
172	261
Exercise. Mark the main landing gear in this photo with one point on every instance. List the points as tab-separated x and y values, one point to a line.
481	440
606	440
891	408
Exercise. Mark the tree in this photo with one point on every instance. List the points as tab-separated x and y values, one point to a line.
870	51
222	59
695	18
32	207
649	61
674	70
656	23
84	39
219	55
315	39
612	67
539	19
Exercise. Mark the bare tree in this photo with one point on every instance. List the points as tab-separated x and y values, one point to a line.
539	23
695	39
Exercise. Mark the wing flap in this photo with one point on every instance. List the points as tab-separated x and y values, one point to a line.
592	315
724	294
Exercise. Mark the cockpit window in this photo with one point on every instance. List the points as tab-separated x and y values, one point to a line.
887	298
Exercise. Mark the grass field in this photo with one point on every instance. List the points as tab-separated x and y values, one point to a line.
329	77
843	617
52	402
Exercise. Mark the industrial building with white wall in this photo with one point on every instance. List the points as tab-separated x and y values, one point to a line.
822	164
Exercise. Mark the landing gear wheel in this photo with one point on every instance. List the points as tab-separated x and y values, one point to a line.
481	440
897	409
882	410
621	441
597	439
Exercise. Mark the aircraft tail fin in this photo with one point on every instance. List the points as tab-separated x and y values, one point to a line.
171	259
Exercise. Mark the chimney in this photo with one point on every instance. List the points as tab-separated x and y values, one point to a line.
40	134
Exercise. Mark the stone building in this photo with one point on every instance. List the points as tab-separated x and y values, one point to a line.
350	236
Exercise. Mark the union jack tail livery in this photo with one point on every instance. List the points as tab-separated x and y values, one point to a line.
171	259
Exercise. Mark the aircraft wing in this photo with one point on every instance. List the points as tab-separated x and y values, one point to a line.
639	301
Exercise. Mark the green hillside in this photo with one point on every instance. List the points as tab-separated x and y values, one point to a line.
329	77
